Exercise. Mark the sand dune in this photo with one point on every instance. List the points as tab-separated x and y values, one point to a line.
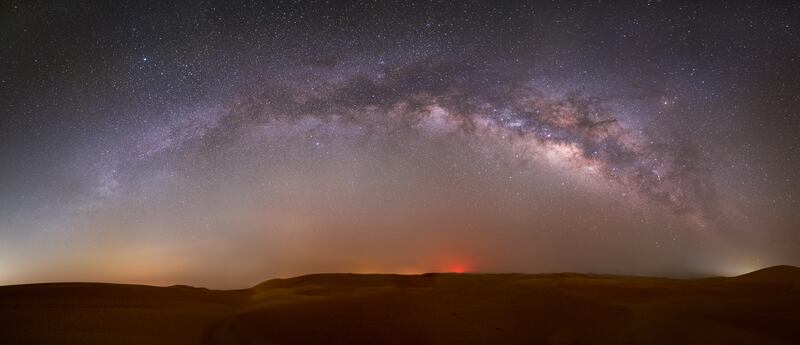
773	275
761	307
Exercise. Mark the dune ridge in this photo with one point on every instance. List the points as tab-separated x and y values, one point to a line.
760	307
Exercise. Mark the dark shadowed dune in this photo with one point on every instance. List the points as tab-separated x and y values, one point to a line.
95	313
773	274
761	307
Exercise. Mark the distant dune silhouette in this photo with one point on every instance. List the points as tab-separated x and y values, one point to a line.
773	274
761	307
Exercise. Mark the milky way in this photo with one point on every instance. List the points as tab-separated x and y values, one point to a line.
224	143
573	128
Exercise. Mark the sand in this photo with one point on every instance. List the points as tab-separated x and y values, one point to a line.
762	307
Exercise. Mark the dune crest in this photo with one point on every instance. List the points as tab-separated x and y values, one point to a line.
434	308
781	273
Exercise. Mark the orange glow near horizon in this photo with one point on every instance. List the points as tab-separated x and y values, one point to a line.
458	268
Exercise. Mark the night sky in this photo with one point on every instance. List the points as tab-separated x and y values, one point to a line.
224	143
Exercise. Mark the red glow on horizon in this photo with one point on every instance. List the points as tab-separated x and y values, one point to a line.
458	269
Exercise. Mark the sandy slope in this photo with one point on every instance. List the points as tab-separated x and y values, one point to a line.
762	307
